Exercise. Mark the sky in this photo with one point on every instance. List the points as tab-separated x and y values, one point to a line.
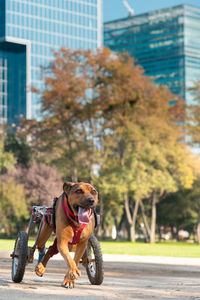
114	9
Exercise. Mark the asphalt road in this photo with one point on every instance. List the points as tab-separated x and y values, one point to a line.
122	280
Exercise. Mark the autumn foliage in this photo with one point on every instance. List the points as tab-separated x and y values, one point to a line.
104	121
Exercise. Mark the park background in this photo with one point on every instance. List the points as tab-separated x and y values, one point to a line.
107	123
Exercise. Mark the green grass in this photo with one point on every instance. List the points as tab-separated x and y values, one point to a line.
8	245
179	249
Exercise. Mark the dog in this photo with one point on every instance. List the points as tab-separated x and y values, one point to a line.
74	224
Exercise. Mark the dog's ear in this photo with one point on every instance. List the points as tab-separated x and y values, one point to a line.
67	186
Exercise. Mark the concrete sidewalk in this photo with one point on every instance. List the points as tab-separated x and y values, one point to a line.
166	260
184	261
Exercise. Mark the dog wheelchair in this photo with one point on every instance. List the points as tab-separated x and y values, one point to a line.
23	254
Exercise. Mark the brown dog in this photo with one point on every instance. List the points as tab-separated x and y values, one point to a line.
75	223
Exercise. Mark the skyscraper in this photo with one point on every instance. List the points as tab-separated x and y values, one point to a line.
165	42
29	31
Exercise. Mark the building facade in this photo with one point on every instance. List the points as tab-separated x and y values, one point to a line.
29	31
166	43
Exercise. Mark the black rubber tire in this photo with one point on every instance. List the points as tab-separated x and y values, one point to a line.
96	276
21	250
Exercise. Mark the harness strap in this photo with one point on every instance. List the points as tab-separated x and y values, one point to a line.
77	230
77	233
48	220
64	207
66	204
54	212
96	218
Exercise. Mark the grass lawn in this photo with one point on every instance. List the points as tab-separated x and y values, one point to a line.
8	245
179	249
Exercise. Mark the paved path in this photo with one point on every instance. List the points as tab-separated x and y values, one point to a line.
126	277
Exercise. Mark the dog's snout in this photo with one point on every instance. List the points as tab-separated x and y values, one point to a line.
90	201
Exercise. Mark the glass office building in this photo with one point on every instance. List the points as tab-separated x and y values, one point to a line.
165	42
29	30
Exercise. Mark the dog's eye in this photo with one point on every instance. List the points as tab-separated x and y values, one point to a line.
79	191
93	192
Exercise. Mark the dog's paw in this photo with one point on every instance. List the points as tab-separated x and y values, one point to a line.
70	277
68	283
74	273
40	269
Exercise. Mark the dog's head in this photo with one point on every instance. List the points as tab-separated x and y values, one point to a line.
82	198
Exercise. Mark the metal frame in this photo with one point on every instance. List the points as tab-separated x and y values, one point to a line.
41	210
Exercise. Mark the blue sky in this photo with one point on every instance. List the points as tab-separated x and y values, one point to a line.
114	9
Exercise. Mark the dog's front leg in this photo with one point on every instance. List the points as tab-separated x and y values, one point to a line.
80	249
72	270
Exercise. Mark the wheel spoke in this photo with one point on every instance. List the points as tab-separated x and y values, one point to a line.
91	269
15	265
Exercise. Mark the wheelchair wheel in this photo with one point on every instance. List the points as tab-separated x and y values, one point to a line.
94	266
19	256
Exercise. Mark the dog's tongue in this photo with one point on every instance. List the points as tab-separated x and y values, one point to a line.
83	215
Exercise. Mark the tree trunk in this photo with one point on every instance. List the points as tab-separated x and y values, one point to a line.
146	225
74	174
146	237
100	226
131	219
153	218
135	212
174	232
159	233
131	233
128	216
198	231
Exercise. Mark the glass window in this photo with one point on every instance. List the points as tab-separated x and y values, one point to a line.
50	26
8	30
8	17
63	16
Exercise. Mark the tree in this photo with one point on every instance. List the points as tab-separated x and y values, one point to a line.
7	159
193	117
64	136
150	172
100	110
13	206
9	204
142	138
180	210
41	182
111	206
19	148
